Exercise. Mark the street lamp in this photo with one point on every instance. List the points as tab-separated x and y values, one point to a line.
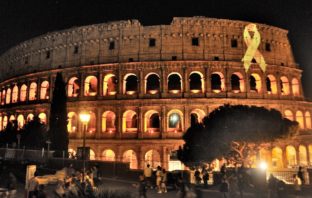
84	118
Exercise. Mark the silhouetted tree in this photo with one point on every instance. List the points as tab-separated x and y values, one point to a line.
232	132
34	134
58	118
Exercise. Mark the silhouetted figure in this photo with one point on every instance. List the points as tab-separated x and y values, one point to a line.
148	172
197	177
301	175
142	187
280	188
205	176
41	193
241	180
297	185
181	188
224	187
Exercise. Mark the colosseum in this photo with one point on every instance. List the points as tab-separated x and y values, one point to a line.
145	85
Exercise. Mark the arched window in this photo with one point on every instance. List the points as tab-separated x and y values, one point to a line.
152	158
71	153
303	161
8	96
44	90
129	156
43	118
130	84
90	86
23	93
109	85
20	121
33	91
73	87
197	116
92	154
108	155
92	123
295	87
108	122
299	119
30	117
152	83
15	94
255	83
289	115
174	83
72	122
5	122
237	82
12	117
308	120
1	126
277	157
175	122
129	121
284	83
291	156
310	153
217	82
196	82
3	97
271	84
151	121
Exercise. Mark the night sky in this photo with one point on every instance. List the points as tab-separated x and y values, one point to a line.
23	19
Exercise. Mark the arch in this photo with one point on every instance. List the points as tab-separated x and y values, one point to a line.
43	118
291	156
130	157
152	83
237	82
307	117
73	87
197	116
175	120
20	121
299	119
5	122
196	80
90	86
130	84
152	121
289	115
303	161
295	87
23	93
310	153
284	83
92	154
271	84
108	155
30	117
32	91
44	90
175	83
217	82
91	128
72	153
109	85
8	96
3	97
129	121
108	122
1	126
15	94
152	157
12	117
277	157
72	122
255	83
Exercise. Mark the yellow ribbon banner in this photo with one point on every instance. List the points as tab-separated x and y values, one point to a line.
252	50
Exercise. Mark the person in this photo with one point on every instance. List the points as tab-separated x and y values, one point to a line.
89	189
197	177
297	185
163	184
60	190
142	187
181	188
224	187
272	183
301	175
11	185
33	185
73	189
280	187
241	180
41	193
95	173
158	179
148	171
205	176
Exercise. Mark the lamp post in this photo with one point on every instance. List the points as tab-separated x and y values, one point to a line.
84	118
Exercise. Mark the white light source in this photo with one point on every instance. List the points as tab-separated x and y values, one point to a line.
84	117
174	118
263	165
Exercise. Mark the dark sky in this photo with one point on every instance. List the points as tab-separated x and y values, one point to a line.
24	19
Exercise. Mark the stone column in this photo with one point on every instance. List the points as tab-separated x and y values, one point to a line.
163	122
207	80
140	123
82	79
100	84
164	158
263	84
38	89
186	118
185	81
141	84
98	123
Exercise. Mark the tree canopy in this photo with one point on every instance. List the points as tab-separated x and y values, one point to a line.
229	130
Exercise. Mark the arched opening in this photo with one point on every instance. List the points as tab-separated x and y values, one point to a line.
129	156
12	117
217	82
5	122
284	83
73	87
43	118
30	117
72	153
130	84
175	121
72	122
3	97
197	116
310	153
271	84
308	120
32	91
291	156
44	90
289	115
92	154
237	82
110	85
15	94
23	93
303	161
295	87
277	158
129	121
255	83
90	86
152	83
108	155
20	121
196	82
91	128
152	158
8	96
152	121
108	122
174	83
1	126
299	119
